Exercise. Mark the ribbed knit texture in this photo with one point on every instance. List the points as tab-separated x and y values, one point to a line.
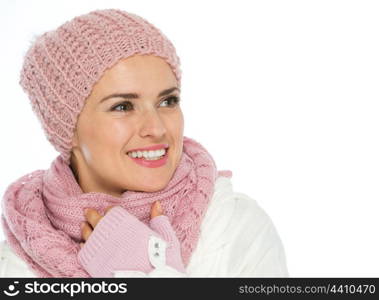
120	242
62	65
43	210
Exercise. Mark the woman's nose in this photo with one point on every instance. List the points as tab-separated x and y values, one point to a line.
152	124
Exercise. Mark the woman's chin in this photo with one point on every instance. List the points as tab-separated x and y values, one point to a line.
150	187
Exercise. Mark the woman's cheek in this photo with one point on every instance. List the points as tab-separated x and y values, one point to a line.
115	131
176	122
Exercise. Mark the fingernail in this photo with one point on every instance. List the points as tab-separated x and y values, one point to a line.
82	225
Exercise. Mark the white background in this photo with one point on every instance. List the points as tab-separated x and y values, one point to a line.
283	93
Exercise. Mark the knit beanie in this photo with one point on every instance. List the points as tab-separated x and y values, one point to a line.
61	66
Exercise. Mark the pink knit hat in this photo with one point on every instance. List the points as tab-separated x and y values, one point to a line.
62	65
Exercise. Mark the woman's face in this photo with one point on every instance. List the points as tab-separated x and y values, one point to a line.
107	129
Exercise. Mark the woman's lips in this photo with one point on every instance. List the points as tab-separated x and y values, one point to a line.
153	147
151	163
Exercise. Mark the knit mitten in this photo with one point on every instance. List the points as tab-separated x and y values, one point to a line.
120	241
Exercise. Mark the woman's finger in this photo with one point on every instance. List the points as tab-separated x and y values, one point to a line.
92	216
86	231
156	209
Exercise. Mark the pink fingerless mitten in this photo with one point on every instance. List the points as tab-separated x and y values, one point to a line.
121	242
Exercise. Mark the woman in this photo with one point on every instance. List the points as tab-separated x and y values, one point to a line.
128	195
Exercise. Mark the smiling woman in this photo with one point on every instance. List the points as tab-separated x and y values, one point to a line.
128	195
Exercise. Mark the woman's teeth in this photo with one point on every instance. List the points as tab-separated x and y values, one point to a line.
148	155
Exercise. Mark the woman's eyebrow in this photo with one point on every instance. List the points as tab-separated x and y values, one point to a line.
136	96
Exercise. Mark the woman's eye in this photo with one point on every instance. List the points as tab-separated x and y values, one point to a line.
127	106
122	106
174	100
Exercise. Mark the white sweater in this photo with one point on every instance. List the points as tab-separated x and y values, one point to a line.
237	239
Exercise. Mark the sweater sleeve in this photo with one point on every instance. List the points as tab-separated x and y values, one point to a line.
265	256
255	248
121	245
238	239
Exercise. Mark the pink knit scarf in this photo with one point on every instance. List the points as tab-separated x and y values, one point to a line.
42	211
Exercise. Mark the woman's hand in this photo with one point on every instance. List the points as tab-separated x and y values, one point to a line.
93	218
122	242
